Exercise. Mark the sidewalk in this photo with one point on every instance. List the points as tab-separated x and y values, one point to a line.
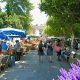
29	68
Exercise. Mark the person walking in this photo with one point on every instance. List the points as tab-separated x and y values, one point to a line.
57	49
41	51
50	50
17	48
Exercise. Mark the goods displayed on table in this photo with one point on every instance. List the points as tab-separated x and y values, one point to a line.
35	42
11	52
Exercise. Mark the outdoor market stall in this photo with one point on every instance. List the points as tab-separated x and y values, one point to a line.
4	60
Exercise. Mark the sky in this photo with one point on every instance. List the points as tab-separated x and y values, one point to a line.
2	5
37	16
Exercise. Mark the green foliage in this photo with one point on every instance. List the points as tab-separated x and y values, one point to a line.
17	13
18	7
9	21
57	28
64	15
2	19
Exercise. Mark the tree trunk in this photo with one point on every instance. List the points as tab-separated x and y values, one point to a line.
72	40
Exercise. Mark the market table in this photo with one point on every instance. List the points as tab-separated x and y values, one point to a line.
26	47
4	59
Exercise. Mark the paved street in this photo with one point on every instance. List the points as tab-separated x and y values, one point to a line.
29	68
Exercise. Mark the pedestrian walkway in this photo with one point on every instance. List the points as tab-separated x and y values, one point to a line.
29	68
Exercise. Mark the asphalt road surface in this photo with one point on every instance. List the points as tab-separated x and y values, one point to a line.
29	68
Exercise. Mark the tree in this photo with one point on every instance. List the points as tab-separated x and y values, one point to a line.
64	12
18	7
1	20
57	27
9	21
21	9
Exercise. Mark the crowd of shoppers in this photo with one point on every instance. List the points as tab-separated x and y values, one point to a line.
63	50
50	46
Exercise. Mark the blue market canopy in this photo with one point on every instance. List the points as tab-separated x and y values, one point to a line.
13	36
12	32
3	36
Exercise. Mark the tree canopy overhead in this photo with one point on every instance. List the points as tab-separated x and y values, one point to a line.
65	13
68	9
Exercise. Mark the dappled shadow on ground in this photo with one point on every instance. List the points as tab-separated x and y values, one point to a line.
29	68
